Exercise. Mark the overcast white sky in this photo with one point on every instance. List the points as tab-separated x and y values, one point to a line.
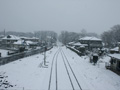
72	15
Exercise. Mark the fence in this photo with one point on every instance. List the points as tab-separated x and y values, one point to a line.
5	60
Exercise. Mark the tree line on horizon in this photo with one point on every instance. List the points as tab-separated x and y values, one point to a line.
110	38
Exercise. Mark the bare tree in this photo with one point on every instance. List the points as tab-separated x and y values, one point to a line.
111	37
66	37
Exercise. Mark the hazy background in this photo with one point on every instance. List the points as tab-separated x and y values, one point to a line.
72	15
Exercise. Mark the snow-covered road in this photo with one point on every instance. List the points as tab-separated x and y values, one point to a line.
65	71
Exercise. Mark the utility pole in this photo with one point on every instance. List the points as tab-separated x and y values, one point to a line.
4	32
45	49
45	56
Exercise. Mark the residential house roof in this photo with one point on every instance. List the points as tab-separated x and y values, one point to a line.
10	37
77	44
19	42
115	49
117	56
29	42
90	38
28	37
71	42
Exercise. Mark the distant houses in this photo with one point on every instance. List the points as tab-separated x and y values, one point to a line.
8	40
1	36
91	42
33	39
87	43
71	43
15	42
115	61
79	47
26	44
115	58
114	50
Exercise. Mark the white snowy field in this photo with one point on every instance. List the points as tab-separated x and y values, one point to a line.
28	74
3	52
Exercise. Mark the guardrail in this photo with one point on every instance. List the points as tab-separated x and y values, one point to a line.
14	57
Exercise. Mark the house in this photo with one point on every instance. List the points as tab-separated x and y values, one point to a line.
114	50
79	47
71	43
1	36
115	61
91	42
8	40
19	43
31	44
33	39
25	44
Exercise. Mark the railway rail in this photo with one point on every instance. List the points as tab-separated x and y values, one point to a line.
51	72
70	73
71	70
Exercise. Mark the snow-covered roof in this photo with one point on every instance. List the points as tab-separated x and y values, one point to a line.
11	37
115	49
119	43
29	42
23	37
28	37
19	42
77	44
117	56
90	38
71	42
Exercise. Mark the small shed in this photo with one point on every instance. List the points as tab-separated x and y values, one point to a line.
79	47
114	50
71	43
115	61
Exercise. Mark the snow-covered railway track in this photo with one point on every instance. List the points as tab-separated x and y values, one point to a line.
67	65
51	72
66	80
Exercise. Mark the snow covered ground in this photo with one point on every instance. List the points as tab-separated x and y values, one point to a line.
95	77
3	52
28	73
